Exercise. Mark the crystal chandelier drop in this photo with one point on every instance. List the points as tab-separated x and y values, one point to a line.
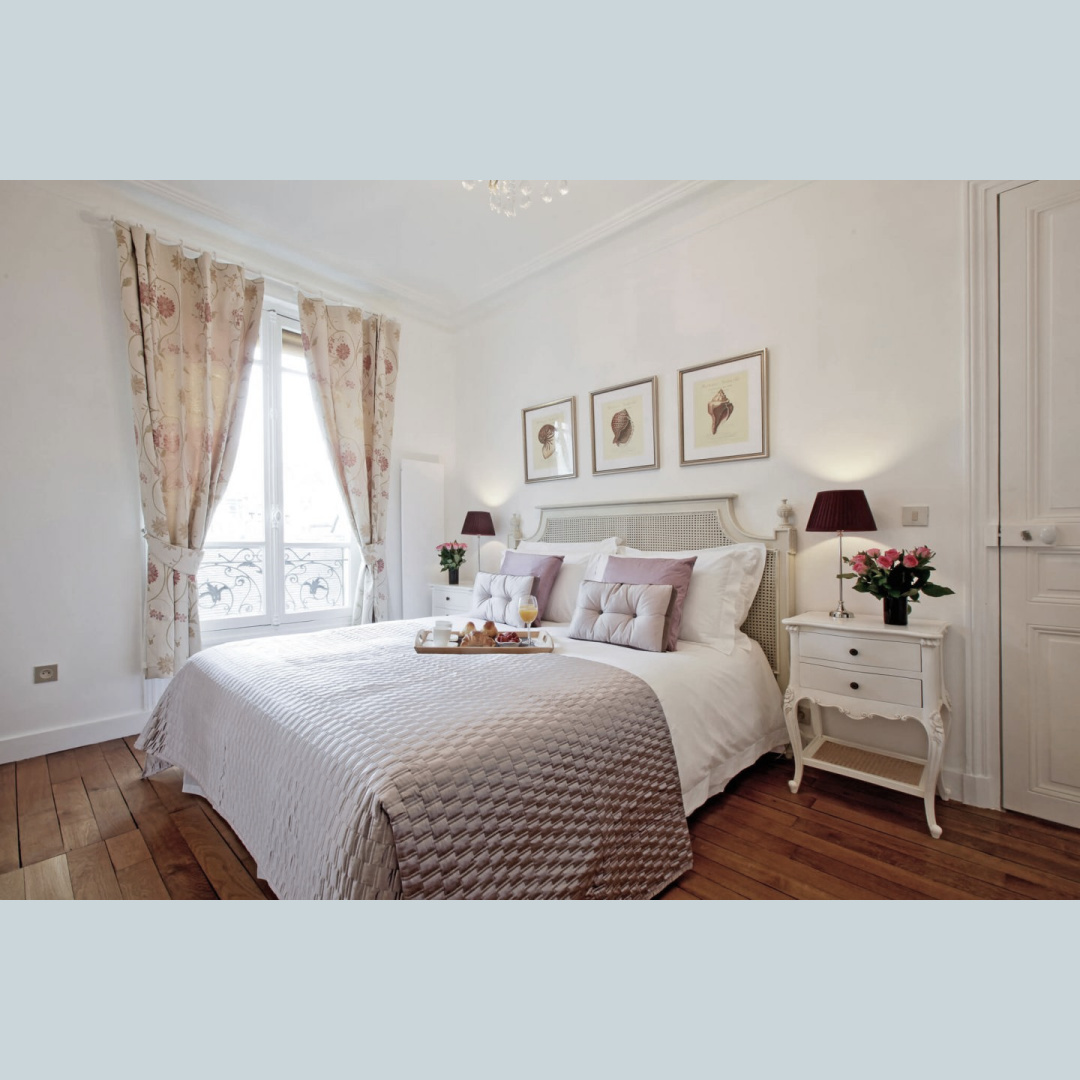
507	197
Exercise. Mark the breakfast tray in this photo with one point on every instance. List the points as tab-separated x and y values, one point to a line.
542	642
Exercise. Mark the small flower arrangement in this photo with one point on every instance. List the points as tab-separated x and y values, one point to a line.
451	554
894	574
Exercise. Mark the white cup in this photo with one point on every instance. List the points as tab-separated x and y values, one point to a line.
440	636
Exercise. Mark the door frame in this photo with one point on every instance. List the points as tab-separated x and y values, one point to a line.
982	751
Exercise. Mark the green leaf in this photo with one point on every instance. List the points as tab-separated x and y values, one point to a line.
937	590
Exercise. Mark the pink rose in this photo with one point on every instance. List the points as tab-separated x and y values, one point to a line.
873	553
893	554
923	552
911	560
885	562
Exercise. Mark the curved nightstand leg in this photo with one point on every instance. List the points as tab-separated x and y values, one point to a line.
931	817
791	719
936	735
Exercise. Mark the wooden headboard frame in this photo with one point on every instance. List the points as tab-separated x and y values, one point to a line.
678	524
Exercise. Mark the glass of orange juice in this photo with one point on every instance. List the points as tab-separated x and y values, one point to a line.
527	609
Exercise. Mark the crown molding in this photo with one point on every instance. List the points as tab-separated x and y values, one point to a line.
620	222
285	263
732	198
203	215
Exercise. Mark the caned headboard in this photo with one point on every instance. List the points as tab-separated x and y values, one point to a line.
685	524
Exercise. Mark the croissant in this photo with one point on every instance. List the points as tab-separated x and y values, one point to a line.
490	629
470	628
478	639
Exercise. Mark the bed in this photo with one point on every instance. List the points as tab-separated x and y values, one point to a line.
351	767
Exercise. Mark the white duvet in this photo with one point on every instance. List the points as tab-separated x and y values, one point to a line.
724	711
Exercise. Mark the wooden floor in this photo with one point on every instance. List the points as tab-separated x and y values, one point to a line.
84	825
845	839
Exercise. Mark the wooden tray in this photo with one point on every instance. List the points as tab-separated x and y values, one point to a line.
541	643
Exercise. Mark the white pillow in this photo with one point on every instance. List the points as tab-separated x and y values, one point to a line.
580	561
495	597
722	588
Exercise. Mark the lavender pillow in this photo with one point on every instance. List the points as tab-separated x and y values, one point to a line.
544	568
674	572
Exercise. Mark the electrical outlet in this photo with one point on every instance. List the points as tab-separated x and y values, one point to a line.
915	515
46	673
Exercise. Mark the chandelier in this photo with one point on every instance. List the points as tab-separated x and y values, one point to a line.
507	197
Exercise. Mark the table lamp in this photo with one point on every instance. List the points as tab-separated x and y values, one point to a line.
478	523
840	512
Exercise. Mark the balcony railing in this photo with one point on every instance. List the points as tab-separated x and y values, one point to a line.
232	579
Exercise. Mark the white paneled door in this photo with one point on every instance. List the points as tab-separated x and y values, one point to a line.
1040	499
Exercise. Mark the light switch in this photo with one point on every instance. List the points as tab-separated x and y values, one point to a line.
915	515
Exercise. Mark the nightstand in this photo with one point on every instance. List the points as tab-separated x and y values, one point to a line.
864	668
451	599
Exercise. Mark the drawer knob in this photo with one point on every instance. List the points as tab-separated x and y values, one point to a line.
854	686
854	652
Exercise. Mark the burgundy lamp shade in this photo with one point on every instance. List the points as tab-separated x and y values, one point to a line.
841	511
478	523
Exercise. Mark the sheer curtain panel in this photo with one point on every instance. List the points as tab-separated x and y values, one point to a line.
192	329
352	359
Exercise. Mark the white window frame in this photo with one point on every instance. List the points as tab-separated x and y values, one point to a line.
275	620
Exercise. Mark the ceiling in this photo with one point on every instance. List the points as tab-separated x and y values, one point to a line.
429	245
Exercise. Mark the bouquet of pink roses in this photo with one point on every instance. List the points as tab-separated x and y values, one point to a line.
894	573
451	554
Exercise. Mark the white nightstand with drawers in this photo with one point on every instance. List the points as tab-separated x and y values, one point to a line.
451	599
865	668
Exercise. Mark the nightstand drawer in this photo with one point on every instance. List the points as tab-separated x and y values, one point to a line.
862	649
452	601
860	684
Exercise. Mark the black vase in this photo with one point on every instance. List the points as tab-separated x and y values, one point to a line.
453	572
896	608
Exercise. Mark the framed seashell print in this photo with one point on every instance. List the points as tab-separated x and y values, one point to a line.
724	410
548	437
624	432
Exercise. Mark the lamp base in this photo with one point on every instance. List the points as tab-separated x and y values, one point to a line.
841	613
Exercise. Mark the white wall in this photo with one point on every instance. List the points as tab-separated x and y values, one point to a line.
69	501
856	290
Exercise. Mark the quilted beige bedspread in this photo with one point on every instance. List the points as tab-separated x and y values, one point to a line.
352	767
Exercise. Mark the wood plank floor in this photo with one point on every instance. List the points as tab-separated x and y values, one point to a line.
843	839
84	825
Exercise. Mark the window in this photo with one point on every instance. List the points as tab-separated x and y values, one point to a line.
279	553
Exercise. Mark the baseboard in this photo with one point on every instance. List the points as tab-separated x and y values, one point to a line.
972	790
35	743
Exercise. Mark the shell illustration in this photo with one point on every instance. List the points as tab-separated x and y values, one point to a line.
546	435
622	426
720	408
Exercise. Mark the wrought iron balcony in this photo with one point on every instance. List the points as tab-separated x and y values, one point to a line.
232	579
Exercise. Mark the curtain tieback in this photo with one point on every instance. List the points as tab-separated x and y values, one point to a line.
172	556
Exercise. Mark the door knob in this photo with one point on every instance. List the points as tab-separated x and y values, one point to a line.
1047	534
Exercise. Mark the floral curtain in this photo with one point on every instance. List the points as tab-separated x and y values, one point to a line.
352	360
192	329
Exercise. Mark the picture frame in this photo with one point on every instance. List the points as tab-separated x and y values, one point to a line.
549	440
625	432
724	410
